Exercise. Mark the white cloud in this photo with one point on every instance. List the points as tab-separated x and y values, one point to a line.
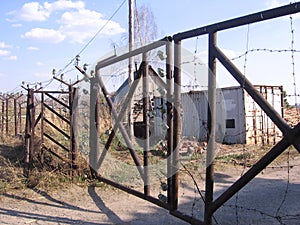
275	3
2	75
32	48
63	5
83	24
3	45
16	25
47	35
4	52
35	11
76	23
12	57
32	11
39	63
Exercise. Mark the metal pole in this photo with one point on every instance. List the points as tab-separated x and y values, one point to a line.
130	66
32	123
20	117
135	52
240	21
169	64
42	127
6	115
27	130
15	117
177	125
146	121
211	138
72	155
2	121
94	128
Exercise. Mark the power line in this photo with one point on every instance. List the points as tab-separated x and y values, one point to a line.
92	39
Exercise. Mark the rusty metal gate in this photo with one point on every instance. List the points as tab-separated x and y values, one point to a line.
45	109
291	136
173	86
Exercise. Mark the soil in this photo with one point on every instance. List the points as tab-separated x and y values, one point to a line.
271	198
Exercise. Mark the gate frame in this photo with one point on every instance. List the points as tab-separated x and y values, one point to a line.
290	135
32	121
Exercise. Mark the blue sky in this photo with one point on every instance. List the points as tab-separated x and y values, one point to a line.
37	36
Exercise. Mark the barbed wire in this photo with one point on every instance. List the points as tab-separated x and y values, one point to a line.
61	71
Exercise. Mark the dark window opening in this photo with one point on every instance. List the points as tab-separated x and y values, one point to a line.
230	123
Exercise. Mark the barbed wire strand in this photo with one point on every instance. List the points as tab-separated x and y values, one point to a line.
293	60
91	40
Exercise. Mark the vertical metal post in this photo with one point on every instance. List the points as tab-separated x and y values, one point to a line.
72	154
211	138
6	116
20	117
15	117
94	128
42	126
146	100
130	65
2	120
27	131
169	63
32	123
282	101
177	125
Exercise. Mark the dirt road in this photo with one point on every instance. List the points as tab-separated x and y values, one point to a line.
265	200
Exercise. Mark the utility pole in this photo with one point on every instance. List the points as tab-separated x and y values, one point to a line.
130	65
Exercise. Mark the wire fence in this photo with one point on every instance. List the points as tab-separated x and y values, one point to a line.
232	160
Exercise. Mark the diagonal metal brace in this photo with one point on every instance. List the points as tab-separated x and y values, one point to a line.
120	125
119	118
287	131
279	148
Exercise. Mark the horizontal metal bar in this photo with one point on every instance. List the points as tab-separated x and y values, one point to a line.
135	52
56	142
252	91
251	173
56	113
57	100
65	83
52	92
56	128
240	21
186	218
134	192
55	154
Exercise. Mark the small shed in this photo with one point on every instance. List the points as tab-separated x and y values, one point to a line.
239	119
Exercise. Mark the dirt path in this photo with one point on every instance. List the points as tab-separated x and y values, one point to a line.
264	198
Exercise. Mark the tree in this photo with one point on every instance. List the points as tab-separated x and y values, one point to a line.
145	28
